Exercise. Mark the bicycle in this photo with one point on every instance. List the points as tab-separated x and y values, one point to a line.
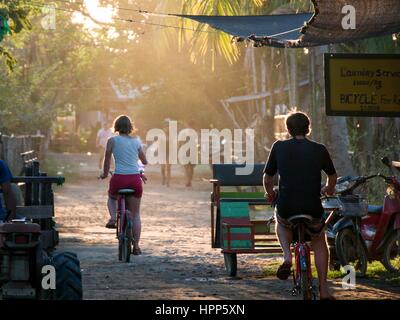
302	275
124	226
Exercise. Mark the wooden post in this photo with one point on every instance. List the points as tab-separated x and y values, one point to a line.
35	191
28	187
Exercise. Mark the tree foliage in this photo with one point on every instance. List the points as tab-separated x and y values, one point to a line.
15	13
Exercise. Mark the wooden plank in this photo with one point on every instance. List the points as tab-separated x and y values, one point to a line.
235	210
245	230
243	195
57	180
253	251
36	212
240	244
241	236
258	245
241	221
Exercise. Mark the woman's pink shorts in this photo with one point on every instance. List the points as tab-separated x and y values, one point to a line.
126	181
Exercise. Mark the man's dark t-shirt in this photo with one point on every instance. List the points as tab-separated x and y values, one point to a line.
299	163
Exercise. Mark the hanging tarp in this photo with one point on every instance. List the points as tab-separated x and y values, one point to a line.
278	27
373	18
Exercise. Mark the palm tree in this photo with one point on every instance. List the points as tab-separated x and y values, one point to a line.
204	44
265	67
209	44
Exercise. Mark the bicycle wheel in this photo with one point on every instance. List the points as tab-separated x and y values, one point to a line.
126	242
306	287
304	267
119	238
350	251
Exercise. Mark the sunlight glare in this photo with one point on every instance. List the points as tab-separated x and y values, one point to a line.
99	13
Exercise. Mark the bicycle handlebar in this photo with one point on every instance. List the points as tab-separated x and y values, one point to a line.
144	178
326	197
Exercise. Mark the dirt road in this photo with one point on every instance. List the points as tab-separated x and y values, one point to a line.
177	260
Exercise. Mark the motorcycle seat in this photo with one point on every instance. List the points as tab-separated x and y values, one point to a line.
375	209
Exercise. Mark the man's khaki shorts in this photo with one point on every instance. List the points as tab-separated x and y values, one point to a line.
313	228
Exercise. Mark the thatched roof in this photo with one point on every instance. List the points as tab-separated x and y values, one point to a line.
373	18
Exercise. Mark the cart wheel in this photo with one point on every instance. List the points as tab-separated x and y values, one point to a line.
231	263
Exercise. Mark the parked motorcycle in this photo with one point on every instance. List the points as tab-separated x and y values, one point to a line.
380	229
354	239
346	244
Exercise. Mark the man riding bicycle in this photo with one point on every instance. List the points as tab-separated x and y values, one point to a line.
299	162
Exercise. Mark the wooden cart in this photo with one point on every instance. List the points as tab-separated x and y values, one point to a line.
242	220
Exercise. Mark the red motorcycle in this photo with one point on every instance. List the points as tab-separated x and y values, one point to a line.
380	229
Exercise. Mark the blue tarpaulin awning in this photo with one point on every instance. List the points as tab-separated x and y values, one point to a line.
373	18
283	27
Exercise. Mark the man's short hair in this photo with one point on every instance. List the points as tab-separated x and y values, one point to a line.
298	124
123	124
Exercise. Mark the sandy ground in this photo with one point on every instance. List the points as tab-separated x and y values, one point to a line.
178	261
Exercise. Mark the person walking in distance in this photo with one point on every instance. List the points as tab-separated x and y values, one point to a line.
103	135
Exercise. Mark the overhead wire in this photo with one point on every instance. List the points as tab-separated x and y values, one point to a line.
41	5
141	11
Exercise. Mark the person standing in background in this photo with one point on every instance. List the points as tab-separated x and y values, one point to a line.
103	135
166	167
189	167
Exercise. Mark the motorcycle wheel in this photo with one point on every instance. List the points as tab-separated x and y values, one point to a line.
391	254
349	254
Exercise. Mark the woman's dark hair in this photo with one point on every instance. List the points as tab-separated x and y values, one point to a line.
123	124
298	124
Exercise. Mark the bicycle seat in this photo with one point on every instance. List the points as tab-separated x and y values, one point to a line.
375	209
126	192
301	218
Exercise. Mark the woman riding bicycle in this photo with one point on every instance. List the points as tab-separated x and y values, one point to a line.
127	151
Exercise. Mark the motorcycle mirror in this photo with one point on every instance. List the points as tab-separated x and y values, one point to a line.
386	161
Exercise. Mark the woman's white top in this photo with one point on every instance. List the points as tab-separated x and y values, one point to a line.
126	154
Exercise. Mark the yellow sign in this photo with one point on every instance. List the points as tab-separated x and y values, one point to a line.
362	85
